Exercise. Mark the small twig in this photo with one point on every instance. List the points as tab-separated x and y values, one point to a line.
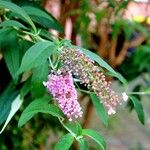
84	91
120	58
138	93
41	146
137	41
112	51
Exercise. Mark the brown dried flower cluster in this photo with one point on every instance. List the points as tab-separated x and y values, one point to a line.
84	69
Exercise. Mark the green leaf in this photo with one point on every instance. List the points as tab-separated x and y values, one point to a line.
11	54
36	55
116	29
14	108
12	60
127	29
138	108
43	18
18	10
24	45
119	76
101	112
102	63
6	99
25	88
39	75
39	105
96	137
100	14
46	34
7	38
83	144
12	23
65	142
75	127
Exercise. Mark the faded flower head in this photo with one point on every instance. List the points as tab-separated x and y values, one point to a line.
83	68
60	85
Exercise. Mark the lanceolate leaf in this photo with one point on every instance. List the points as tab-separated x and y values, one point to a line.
25	88
6	99
75	127
46	35
101	112
102	63
119	76
18	10
39	75
39	105
24	45
65	142
11	53
12	60
96	137
138	108
83	144
12	23
10	36
36	55
43	18
14	108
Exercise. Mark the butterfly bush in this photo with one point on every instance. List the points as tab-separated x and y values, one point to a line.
60	85
83	68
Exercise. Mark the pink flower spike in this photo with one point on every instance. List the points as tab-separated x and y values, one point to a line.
89	74
61	86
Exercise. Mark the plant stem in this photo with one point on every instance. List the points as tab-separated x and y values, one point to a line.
73	134
137	93
51	64
84	91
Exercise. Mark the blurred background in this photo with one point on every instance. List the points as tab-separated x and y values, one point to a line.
118	31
